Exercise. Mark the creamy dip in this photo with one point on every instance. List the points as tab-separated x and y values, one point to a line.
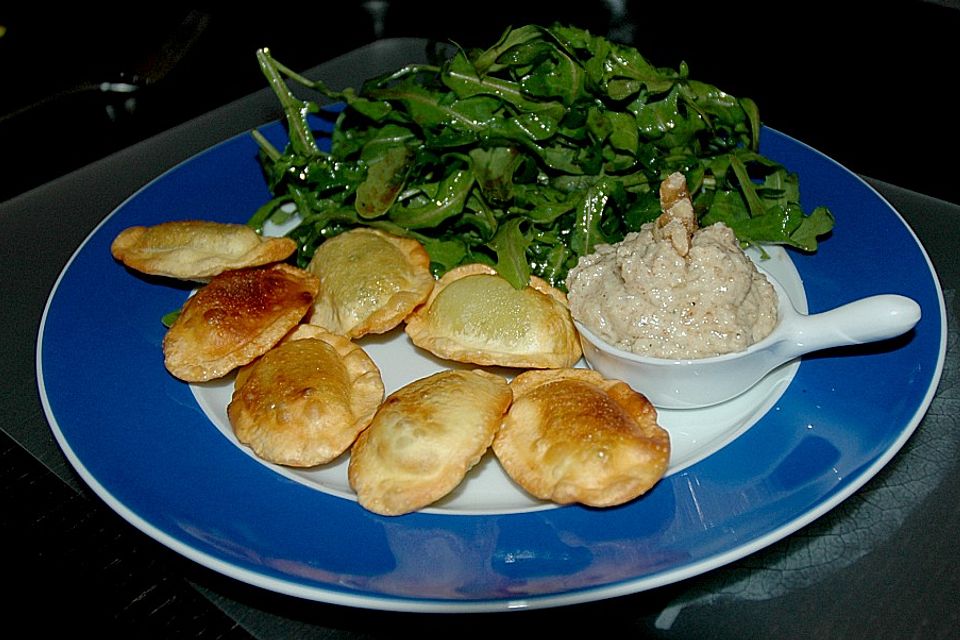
669	291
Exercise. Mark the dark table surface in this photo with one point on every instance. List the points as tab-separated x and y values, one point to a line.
882	564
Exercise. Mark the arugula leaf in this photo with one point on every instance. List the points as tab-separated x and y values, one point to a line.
386	175
170	318
588	230
510	245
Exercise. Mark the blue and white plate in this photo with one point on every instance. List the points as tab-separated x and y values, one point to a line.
743	475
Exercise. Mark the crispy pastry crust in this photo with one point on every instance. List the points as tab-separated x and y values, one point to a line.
425	438
237	316
197	249
370	281
573	436
474	315
303	402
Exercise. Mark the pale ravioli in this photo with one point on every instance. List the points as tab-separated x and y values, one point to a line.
573	436
236	317
370	281
197	249
303	402
474	315
425	438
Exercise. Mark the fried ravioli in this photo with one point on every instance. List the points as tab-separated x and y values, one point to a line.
237	316
425	438
573	436
369	281
474	315
303	402
197	250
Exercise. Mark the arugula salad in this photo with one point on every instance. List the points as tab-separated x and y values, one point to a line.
524	156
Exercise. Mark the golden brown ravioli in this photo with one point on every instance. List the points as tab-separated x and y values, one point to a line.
234	318
475	315
424	439
197	249
573	436
304	401
369	281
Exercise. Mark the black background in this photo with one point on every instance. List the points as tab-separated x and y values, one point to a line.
870	84
872	88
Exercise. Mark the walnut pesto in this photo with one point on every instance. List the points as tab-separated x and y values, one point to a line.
673	290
